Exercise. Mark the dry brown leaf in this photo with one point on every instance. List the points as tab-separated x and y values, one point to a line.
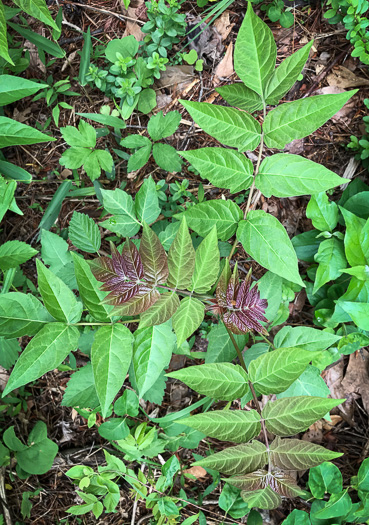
356	380
179	76
315	433
197	471
344	78
223	25
4	376
225	67
133	28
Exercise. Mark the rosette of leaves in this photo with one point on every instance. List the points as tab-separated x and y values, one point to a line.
83	152
159	127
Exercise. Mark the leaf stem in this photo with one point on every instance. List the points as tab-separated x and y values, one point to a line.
105	324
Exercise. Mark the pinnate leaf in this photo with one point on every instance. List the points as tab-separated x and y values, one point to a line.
290	415
14	253
188	318
230	126
201	218
21	314
121	206
206	263
111	355
46	351
275	371
264	238
223	381
153	257
181	258
84	233
298	119
161	311
241	459
304	338
264	498
81	389
224	168
284	175
147	202
295	454
238	426
255	52
241	97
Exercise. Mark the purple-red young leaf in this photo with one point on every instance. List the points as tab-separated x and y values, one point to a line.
138	304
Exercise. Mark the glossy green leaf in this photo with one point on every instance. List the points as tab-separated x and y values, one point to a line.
220	347
331	259
295	454
13	133
305	338
152	351
359	313
181	258
297	517
21	314
238	426
224	168
306	245
265	239
322	212
218	380
353	247
13	88
14	253
111	355
286	74
188	318
275	371
291	415
38	457
46	351
310	383
84	233
59	300
237	460
325	478
241	97
114	429
121	206
4	51
337	506
11	171
201	218
89	290
147	202
264	498
229	126
206	263
285	175
255	52
298	119
160	312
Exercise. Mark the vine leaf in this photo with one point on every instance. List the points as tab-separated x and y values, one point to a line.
294	454
290	415
241	459
228	425
223	381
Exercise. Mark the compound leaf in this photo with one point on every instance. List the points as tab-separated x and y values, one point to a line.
21	314
304	338
295	454
162	126
153	257
14	253
160	312
84	233
188	318
147	202
206	263
121	206
241	97
264	498
181	258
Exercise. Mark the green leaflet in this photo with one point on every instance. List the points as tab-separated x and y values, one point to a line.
230	126
331	259
111	355
81	389
220	348
353	248
46	351
13	133
121	206
322	212
255	52
4	53
160	312
188	318
14	88
201	218
218	380
325	478
59	300
359	313
181	258
295	454
89	290
146	202
298	119
286	74
237	460
310	383
290	415
21	314
304	338
162	126
241	97
166	157
275	371
152	351
338	505
84	233
228	425
264	238
14	253
224	168
38	9
153	256
264	498
206	263
55	253
364	240
9	351
285	175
